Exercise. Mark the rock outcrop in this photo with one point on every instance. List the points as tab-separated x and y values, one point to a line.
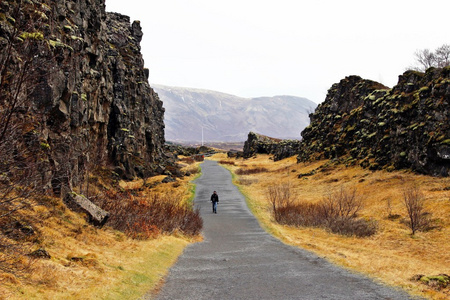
280	149
364	122
88	94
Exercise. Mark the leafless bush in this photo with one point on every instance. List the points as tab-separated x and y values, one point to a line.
279	196
390	215
425	58
19	173
242	171
300	214
337	212
414	201
246	181
146	218
199	157
23	60
342	204
226	162
188	160
354	226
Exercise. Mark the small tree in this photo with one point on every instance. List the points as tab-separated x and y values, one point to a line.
425	58
442	56
280	197
414	201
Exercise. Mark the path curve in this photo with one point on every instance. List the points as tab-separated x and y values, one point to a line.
239	260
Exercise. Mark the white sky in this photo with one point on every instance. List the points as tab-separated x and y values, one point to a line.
253	48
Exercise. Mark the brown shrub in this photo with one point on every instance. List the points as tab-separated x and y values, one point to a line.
337	212
144	218
414	201
280	197
300	214
199	157
226	162
188	160
242	171
245	181
342	204
353	226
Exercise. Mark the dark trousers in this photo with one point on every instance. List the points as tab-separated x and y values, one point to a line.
214	206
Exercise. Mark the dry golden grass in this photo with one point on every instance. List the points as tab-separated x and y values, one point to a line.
91	263
393	255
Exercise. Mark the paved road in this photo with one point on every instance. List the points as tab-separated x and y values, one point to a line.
239	260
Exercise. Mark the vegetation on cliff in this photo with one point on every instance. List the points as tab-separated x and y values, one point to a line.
406	127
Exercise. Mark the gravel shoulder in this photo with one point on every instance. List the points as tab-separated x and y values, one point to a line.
239	260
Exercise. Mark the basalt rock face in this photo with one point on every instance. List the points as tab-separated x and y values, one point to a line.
406	127
280	149
91	102
135	126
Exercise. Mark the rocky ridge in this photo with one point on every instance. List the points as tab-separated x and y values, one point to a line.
280	149
89	97
406	127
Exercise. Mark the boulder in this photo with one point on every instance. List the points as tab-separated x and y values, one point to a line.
40	253
80	203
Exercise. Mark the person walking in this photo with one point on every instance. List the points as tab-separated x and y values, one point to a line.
214	200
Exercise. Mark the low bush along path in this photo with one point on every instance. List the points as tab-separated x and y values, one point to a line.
239	260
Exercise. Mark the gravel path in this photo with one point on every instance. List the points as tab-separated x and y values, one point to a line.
239	260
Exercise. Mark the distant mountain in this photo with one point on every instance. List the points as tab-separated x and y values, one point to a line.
229	118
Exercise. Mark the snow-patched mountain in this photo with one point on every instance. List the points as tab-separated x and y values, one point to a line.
228	118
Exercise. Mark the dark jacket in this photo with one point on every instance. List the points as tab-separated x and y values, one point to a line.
214	198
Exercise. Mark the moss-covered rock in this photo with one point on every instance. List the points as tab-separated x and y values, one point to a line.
407	126
437	282
257	143
88	64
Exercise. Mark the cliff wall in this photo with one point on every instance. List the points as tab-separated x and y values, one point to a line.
364	122
280	149
85	89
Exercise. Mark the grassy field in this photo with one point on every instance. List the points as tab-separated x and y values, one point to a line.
91	263
393	255
87	262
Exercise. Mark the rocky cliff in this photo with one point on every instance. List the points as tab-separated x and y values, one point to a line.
280	149
364	122
85	88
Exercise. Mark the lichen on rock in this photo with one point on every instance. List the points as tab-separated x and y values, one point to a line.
398	128
90	83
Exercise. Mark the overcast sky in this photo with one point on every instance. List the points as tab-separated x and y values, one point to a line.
253	48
